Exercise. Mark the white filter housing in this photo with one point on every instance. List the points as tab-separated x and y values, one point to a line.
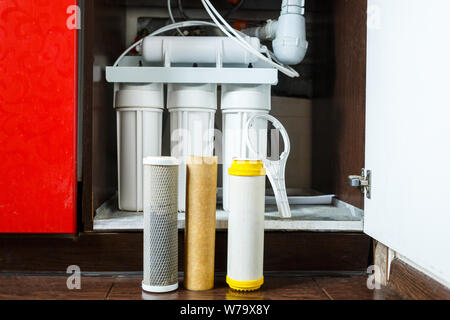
239	103
139	131
192	110
197	50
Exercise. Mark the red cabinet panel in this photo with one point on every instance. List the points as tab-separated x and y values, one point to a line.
38	94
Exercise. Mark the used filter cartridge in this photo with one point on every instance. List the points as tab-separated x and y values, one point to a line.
246	225
160	224
200	229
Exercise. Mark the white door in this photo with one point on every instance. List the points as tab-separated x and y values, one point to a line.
408	130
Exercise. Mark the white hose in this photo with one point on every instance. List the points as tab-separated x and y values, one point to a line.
169	8
227	29
212	11
134	45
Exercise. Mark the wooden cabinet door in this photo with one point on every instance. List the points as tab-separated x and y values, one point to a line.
408	130
38	96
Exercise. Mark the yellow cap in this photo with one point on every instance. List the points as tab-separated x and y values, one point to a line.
251	285
247	168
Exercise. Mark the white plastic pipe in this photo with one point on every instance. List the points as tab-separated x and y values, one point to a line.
288	34
290	43
265	32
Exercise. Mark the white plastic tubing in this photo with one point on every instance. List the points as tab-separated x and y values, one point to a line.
238	38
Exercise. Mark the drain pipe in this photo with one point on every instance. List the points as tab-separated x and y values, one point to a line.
288	34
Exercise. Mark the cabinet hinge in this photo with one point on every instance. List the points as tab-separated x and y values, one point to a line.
363	182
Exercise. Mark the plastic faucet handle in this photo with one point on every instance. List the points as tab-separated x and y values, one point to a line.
275	169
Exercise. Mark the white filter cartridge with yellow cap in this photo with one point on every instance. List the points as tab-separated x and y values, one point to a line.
246	225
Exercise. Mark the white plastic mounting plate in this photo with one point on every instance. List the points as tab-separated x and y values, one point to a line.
191	75
129	72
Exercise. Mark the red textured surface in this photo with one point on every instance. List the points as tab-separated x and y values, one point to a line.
38	71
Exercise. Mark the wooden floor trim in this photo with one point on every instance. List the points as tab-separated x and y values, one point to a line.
412	284
283	251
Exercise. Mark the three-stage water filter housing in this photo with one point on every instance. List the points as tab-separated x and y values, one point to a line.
160	224
139	109
246	225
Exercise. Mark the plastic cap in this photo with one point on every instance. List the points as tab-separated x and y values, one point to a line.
161	161
247	168
140	96
203	96
255	97
250	285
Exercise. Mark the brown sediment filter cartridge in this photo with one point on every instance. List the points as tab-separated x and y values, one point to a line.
200	232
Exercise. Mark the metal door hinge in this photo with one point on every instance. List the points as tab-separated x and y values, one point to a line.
363	182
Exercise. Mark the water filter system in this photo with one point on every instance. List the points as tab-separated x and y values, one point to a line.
192	70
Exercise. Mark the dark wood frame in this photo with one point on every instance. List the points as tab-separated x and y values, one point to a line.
339	115
99	123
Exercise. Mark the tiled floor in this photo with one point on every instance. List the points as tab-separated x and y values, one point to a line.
129	288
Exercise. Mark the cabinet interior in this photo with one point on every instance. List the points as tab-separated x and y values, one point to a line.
328	100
